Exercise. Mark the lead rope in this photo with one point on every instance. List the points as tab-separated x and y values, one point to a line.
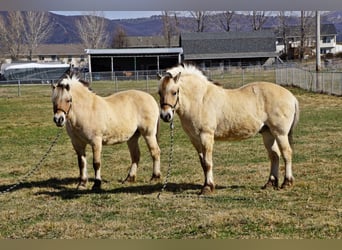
28	174
170	160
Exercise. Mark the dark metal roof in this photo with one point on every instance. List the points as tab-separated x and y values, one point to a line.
295	31
229	44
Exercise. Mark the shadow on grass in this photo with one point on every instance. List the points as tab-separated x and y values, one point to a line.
60	188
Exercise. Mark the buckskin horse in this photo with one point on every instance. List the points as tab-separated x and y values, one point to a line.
209	112
95	120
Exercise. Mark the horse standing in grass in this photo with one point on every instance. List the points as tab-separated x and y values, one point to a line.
95	120
208	112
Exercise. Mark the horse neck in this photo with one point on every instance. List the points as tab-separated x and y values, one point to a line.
192	90
82	100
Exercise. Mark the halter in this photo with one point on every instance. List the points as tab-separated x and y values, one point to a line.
172	106
66	113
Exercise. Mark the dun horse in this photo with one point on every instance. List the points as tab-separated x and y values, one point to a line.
95	120
208	112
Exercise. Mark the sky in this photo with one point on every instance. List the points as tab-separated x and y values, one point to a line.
115	14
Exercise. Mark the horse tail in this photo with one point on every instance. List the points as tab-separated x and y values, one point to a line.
294	122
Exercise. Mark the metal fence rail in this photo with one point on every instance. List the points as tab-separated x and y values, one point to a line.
328	82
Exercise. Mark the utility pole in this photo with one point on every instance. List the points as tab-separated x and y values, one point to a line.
318	48
318	38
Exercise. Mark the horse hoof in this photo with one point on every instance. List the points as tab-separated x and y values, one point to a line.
155	177
129	178
207	190
82	185
97	185
273	183
287	183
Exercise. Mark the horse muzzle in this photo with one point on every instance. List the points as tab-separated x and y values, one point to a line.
59	119
166	115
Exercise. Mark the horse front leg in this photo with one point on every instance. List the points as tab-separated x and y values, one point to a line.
97	148
207	141
82	165
154	149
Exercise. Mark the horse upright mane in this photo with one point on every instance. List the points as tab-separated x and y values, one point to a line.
69	78
189	69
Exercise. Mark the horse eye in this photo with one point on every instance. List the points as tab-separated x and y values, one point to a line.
174	93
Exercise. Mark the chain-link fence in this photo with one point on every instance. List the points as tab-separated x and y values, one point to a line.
329	82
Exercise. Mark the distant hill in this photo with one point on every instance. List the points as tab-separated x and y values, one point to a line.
65	30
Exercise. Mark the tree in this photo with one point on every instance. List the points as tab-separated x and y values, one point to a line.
283	27
12	34
170	25
120	38
37	29
306	24
202	18
92	30
22	32
258	19
226	19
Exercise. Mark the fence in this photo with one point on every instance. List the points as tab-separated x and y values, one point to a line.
230	77
319	82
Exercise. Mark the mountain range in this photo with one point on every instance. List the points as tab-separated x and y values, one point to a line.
65	30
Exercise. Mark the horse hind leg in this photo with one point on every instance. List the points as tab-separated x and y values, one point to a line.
274	156
152	144
133	146
286	151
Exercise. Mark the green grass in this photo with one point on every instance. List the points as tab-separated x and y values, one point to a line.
47	205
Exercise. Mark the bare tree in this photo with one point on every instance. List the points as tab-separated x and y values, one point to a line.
258	19
306	30
170	25
38	28
92	30
225	19
202	18
283	17
120	38
12	34
22	32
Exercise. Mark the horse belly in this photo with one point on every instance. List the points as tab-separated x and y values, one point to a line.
238	131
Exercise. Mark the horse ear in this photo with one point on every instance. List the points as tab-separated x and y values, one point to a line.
53	86
176	78
159	76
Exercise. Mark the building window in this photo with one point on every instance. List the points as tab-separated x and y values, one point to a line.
54	58
69	59
326	39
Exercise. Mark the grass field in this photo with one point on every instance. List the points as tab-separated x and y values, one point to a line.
47	205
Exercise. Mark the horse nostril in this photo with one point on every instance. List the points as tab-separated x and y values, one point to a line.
58	120
61	120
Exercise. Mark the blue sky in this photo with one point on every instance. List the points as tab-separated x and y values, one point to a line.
115	14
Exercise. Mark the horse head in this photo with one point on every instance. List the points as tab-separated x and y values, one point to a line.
61	100
168	95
